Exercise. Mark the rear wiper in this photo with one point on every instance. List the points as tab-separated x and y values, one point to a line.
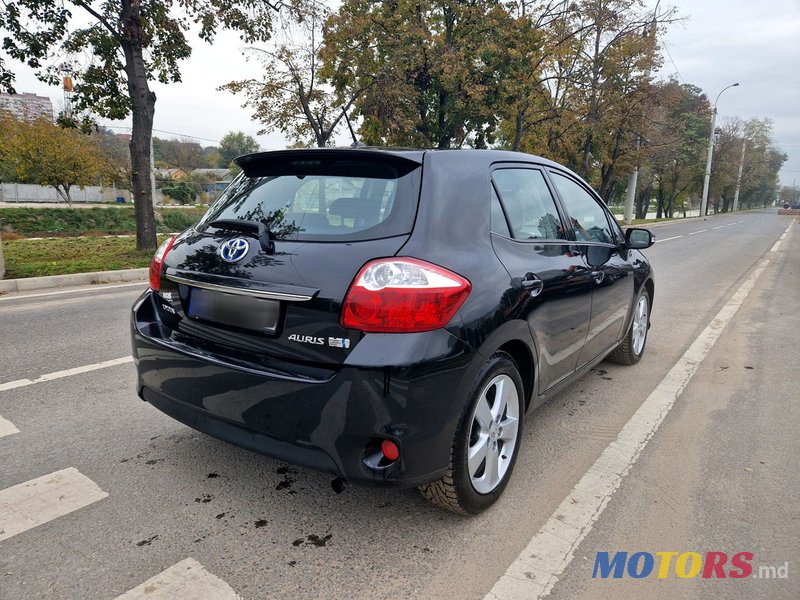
264	236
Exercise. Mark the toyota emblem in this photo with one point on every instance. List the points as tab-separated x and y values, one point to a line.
234	250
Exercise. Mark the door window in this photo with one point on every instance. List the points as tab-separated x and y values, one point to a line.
585	213
499	224
531	210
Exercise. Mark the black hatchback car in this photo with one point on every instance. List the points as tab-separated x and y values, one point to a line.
389	316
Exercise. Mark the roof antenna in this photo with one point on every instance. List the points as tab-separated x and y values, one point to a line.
356	143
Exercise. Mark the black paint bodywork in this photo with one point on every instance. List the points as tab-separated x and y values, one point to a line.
325	407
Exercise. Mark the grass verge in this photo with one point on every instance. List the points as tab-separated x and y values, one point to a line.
65	222
60	256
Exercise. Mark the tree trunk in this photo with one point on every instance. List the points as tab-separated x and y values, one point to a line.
660	205
443	128
143	102
518	130
643	202
586	155
64	194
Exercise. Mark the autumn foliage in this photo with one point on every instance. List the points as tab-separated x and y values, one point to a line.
43	153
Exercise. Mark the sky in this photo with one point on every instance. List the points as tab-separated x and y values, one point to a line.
718	42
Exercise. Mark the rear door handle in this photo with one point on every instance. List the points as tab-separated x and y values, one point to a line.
533	284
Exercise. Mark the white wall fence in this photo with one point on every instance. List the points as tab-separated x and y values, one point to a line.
25	192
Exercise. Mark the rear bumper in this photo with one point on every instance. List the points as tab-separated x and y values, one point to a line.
328	419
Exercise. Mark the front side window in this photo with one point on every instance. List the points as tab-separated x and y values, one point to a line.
531	210
587	217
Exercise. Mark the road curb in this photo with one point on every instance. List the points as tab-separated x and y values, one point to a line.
54	281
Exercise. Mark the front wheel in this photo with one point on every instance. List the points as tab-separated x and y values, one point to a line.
486	443
630	351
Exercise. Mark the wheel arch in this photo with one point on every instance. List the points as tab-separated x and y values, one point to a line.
514	339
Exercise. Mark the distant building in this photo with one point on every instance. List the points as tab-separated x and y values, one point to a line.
27	107
170	174
219	174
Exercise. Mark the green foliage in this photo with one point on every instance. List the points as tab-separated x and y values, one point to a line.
132	43
762	161
35	28
179	219
112	220
38	258
185	154
290	95
42	153
179	191
233	144
424	73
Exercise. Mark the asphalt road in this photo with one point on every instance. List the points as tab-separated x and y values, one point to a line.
719	475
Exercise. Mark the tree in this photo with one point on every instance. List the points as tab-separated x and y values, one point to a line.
180	191
42	153
184	154
133	42
290	95
762	162
117	153
233	144
674	142
424	72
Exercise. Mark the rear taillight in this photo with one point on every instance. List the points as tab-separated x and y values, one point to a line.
158	262
403	295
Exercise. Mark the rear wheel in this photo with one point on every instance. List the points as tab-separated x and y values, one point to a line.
630	351
487	441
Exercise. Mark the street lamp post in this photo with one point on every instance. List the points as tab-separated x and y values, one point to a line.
704	200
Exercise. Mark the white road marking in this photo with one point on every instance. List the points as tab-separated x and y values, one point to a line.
7	428
96	287
11	385
40	500
718	227
783	236
696	232
188	579
674	237
540	564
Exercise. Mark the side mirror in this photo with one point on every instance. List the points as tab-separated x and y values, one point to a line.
637	238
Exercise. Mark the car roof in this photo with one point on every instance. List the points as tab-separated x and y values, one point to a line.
413	154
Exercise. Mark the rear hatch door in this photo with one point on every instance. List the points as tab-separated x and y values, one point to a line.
264	273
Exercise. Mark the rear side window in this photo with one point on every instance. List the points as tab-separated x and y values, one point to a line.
324	199
530	207
499	224
585	213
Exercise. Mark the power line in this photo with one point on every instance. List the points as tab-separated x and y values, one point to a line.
666	49
186	135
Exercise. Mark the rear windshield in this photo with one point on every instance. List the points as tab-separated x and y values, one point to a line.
324	199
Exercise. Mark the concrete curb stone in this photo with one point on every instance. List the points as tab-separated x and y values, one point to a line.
53	281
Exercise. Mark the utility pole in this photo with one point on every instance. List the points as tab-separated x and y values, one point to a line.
739	179
704	199
633	178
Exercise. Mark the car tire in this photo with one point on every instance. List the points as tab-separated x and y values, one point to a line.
630	351
490	431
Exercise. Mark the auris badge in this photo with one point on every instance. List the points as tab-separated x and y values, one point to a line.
318	341
234	250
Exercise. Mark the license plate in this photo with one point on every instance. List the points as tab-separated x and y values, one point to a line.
234	310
